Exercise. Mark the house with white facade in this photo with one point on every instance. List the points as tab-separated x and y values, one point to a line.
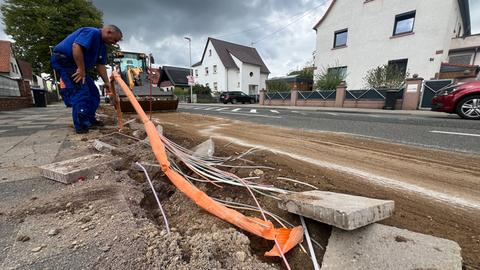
227	66
417	36
9	66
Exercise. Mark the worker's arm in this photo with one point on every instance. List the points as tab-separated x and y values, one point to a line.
79	75
102	71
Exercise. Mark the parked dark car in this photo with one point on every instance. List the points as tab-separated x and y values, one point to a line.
235	97
462	99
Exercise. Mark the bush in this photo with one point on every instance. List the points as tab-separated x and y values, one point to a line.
386	76
329	78
280	86
201	90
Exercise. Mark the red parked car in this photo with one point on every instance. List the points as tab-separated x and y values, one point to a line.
463	100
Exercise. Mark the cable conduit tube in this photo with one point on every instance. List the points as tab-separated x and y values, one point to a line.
285	239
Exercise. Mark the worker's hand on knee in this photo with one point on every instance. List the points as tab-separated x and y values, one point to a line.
108	89
79	76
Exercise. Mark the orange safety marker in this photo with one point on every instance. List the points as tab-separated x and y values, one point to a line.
286	238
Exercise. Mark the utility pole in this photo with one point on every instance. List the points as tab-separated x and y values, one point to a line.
191	74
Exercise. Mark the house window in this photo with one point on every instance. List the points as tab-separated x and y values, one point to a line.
206	71
404	23
461	59
251	74
238	85
341	70
340	38
400	65
215	86
209	52
196	72
13	68
214	69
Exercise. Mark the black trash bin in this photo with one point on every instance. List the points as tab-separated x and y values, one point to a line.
390	99
40	97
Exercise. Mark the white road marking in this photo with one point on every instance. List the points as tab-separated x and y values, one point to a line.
256	115
210	108
455	133
236	110
221	109
253	111
274	111
334	114
197	108
368	177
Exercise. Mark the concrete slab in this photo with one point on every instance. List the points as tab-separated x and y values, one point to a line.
383	247
69	171
340	210
206	149
103	146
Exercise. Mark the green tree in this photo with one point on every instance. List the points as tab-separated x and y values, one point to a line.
201	90
35	25
278	85
329	78
386	76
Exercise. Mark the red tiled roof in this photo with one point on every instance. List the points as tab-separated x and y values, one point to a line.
5	52
25	69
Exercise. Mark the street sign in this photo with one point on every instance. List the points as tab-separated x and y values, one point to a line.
191	80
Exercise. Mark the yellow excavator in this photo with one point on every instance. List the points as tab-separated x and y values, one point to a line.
137	72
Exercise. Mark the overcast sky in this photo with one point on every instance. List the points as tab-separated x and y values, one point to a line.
159	27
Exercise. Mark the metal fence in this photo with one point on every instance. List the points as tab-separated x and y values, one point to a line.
431	88
9	87
278	95
371	94
317	95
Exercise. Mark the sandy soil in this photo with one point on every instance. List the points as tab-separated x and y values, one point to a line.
436	192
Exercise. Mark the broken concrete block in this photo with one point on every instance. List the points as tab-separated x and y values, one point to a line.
206	149
103	146
340	210
383	247
71	170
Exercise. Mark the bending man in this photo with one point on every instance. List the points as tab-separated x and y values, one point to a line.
72	57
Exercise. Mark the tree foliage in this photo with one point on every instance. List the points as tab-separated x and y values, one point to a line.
329	78
306	72
35	25
201	90
278	85
386	76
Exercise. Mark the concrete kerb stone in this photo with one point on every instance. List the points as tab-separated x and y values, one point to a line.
103	147
70	171
383	247
340	210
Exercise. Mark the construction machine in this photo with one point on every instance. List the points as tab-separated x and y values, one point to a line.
137	72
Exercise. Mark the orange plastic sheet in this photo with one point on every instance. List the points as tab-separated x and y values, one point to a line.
286	238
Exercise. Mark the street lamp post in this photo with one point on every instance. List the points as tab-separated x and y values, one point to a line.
55	75
191	74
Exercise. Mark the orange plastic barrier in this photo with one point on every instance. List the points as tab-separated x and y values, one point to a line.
286	238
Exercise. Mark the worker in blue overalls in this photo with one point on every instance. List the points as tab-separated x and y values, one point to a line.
78	52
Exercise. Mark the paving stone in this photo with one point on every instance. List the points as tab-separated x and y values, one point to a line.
103	146
205	149
383	247
69	171
344	211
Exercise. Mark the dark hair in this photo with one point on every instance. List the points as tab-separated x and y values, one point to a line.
114	28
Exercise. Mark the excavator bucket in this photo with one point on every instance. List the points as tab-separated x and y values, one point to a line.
144	81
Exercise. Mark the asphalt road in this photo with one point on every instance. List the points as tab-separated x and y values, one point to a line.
434	130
